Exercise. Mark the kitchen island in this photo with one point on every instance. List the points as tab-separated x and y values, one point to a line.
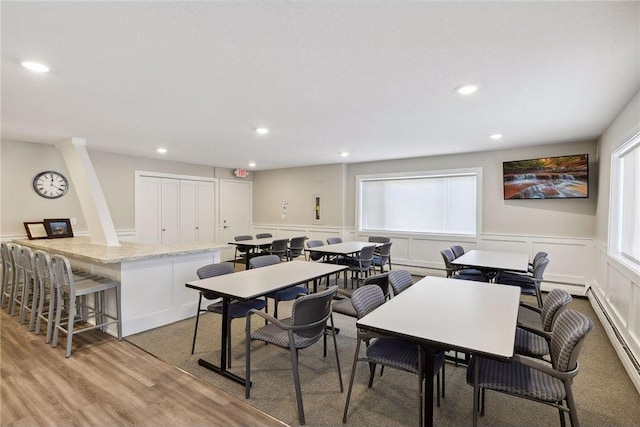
152	277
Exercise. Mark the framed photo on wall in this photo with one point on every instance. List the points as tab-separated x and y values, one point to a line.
57	228
317	209
35	230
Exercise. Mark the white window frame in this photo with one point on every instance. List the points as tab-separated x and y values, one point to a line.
615	203
477	172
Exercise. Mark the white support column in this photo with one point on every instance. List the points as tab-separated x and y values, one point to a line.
87	187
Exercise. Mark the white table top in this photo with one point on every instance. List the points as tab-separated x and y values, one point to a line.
258	242
454	314
505	261
257	282
344	248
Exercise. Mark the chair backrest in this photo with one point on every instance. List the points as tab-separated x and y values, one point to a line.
567	339
315	256
447	257
457	251
384	251
538	256
212	270
365	259
241	238
296	247
6	257
44	271
379	239
380	280
62	274
17	262
28	264
539	267
313	310
554	303
366	298
263	261
333	240
279	247
263	235
399	280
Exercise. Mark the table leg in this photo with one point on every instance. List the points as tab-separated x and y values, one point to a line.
222	369
427	421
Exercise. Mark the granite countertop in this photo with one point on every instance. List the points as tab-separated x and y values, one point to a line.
81	248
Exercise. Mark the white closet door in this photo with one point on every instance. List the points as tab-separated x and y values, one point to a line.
170	211
206	224
188	210
148	210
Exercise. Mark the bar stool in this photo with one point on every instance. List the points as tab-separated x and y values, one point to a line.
67	291
47	293
7	274
30	288
15	295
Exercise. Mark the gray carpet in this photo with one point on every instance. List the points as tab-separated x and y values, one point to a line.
605	396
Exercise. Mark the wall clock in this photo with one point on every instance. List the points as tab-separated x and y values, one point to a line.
50	184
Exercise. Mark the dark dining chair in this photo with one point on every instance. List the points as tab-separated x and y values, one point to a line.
286	294
382	256
360	265
237	309
529	284
306	326
535	379
296	247
388	351
241	253
280	248
345	305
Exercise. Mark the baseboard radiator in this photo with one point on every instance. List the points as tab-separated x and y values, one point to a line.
622	344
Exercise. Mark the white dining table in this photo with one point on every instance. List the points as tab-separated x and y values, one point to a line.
494	260
255	283
448	314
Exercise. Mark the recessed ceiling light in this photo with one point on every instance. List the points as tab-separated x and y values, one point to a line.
262	131
161	150
35	66
466	89
344	154
496	136
252	164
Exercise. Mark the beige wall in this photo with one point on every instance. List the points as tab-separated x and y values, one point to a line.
562	218
569	217
626	124
298	186
21	161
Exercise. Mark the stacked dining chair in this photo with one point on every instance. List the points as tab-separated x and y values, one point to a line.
241	253
287	294
296	247
391	352
237	309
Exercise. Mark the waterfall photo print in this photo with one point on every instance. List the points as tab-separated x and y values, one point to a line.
563	177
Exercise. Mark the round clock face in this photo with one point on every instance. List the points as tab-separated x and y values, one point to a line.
50	184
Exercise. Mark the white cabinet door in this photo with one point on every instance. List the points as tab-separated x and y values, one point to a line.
188	210
148	208
170	211
206	209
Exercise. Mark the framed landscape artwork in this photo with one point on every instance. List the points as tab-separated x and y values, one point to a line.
562	177
58	228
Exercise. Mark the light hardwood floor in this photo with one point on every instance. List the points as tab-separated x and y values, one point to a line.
105	383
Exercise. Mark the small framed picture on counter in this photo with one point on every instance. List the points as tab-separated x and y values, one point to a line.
57	228
35	230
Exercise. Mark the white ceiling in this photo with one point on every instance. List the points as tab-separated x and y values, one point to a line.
374	78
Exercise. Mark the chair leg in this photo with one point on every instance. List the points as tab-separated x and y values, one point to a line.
353	374
571	404
35	303
70	325
296	381
372	372
335	348
195	331
119	310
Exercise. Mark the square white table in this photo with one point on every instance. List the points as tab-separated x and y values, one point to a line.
494	260
255	283
449	314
